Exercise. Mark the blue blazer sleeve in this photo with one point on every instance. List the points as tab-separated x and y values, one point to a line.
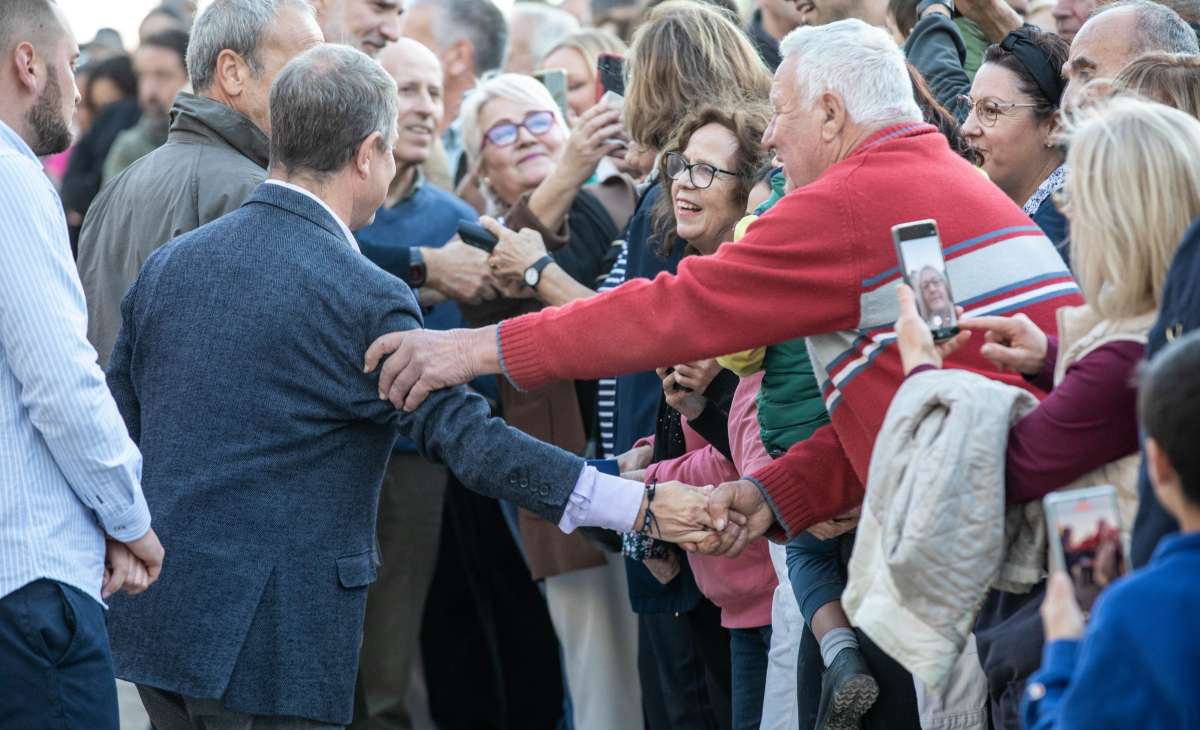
455	427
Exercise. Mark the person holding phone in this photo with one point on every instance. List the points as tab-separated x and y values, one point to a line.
576	55
1084	432
1133	664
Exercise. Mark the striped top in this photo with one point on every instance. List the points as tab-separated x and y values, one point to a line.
69	472
606	395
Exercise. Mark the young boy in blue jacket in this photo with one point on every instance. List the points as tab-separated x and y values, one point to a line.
1138	663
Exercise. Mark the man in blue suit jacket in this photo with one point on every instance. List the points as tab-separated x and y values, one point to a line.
239	373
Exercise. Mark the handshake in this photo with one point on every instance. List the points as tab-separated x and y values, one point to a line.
718	520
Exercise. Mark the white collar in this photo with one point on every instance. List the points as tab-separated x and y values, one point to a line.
345	229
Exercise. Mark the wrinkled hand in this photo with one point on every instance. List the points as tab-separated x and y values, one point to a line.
460	272
598	132
915	340
635	459
680	513
735	503
515	252
420	362
1061	615
836	527
1012	344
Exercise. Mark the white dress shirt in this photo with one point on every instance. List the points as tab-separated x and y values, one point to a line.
69	472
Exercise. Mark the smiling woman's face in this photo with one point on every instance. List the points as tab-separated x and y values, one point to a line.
706	217
520	167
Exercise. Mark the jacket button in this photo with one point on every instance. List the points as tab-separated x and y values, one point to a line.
524	483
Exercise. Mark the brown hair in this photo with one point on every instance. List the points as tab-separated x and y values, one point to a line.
687	55
747	124
1168	78
940	117
904	12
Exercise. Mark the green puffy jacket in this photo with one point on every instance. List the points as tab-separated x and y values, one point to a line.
790	406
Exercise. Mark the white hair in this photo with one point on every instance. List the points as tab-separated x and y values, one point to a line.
515	87
858	62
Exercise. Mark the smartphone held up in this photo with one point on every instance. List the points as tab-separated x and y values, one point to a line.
919	250
1084	527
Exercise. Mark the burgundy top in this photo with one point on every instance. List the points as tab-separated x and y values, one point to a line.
1089	420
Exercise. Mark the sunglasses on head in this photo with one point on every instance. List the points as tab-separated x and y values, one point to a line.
503	134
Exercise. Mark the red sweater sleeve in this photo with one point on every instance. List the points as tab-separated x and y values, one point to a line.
783	280
1088	420
813	482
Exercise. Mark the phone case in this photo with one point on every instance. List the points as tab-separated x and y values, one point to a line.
1082	518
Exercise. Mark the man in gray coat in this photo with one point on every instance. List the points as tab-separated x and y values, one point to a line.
216	152
239	373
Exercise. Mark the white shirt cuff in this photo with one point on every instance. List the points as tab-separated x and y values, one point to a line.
602	500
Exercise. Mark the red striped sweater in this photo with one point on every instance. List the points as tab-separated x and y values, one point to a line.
821	265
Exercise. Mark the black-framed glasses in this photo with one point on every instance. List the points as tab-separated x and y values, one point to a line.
503	134
701	174
989	109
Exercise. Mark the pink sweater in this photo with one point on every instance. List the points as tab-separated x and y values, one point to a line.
744	587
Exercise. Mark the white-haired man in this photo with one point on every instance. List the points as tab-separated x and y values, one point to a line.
858	160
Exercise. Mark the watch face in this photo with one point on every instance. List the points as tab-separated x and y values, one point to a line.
532	277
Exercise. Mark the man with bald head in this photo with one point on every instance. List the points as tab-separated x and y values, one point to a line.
407	239
1118	33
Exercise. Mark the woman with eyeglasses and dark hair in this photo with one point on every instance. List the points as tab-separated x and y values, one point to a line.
1012	123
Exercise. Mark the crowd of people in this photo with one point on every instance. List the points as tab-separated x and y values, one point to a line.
363	360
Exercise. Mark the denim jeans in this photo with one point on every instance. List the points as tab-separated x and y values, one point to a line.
815	569
748	649
54	660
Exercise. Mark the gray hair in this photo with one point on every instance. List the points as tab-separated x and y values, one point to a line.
478	21
324	103
858	62
550	26
1158	28
236	25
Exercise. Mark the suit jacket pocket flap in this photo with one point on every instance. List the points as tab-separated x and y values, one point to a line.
356	571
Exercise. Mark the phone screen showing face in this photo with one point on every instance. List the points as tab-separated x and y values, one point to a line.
610	74
555	81
1079	524
919	249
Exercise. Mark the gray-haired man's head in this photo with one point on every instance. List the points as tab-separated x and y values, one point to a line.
333	112
237	48
443	24
1119	32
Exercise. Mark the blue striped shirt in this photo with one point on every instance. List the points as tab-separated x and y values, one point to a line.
69	472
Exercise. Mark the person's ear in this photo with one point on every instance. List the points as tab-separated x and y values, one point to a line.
1163	476
833	115
232	73
25	63
367	153
459	59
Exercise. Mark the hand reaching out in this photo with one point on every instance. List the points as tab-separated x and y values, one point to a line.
1014	344
422	361
739	503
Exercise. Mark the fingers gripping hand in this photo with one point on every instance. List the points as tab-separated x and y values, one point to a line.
420	362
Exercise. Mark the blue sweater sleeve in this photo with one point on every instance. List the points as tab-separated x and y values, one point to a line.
1090	685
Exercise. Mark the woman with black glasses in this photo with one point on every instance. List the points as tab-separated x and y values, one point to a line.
1012	123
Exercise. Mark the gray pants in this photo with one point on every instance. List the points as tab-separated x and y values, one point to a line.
170	711
410	525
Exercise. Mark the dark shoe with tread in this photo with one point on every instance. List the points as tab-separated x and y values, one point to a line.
848	690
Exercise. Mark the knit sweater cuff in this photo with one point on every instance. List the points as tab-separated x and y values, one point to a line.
521	355
791	509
